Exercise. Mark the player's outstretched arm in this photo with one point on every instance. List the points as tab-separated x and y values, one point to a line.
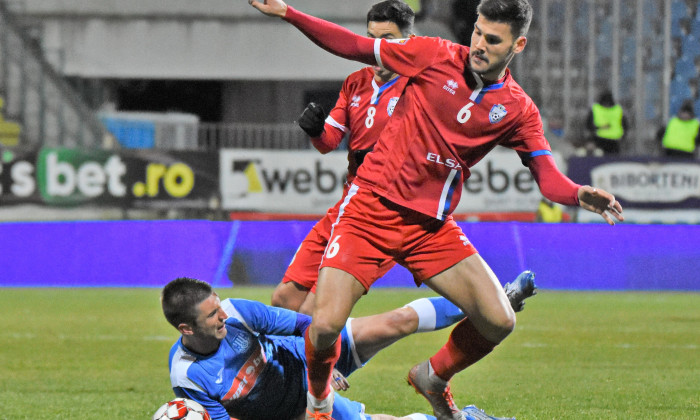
329	36
601	202
270	7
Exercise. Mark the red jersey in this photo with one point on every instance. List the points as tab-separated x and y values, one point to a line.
447	121
363	109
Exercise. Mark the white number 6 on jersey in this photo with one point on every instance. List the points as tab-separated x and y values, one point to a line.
464	114
333	248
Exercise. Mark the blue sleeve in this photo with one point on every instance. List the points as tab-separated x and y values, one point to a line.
213	407
303	322
262	318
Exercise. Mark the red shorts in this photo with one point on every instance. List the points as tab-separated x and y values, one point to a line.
372	230
304	267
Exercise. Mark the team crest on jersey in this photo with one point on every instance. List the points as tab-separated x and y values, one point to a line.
392	105
497	113
240	342
356	101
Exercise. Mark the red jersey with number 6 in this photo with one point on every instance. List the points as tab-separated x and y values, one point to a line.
446	121
363	109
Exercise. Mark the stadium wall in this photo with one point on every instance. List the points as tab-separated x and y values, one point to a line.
150	253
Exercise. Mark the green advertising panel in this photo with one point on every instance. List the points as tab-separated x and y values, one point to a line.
124	178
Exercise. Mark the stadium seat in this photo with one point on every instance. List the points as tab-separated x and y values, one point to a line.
695	28
131	134
678	10
691	47
678	92
685	68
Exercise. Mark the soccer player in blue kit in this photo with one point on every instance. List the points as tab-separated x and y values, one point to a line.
245	360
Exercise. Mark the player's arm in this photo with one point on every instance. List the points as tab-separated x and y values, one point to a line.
329	36
213	407
559	188
325	132
266	319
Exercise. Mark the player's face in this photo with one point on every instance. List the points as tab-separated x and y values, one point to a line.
210	321
492	48
387	30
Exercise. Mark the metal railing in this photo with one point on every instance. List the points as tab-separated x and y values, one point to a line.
252	136
38	98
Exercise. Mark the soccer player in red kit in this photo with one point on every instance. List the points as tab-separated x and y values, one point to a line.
365	103
460	102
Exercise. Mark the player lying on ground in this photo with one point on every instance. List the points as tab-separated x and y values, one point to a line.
245	360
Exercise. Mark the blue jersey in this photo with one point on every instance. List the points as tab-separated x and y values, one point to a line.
259	370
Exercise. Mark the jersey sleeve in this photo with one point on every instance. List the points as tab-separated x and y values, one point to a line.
528	139
213	407
264	319
407	56
553	184
331	37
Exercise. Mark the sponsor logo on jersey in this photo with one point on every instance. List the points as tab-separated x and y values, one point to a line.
356	101
397	41
451	86
392	105
497	113
247	375
450	163
464	240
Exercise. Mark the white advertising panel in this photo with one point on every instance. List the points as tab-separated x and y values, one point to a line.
647	182
306	182
500	183
303	182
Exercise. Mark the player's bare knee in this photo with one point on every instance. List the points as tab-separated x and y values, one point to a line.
277	300
507	321
402	320
326	329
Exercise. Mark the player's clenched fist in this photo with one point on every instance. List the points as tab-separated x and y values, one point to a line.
312	119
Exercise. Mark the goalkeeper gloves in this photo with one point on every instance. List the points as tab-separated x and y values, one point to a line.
312	119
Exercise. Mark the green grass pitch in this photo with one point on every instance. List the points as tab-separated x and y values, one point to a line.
102	353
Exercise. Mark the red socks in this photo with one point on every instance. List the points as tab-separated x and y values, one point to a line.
465	347
319	365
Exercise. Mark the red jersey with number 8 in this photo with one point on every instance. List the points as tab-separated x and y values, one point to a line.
362	109
446	121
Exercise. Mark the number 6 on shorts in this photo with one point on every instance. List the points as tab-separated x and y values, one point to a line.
333	248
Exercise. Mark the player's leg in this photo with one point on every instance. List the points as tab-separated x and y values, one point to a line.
376	332
301	275
336	293
290	295
307	307
448	263
490	318
373	333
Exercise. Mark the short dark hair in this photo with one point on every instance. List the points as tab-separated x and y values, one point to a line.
395	11
688	107
516	13
180	298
